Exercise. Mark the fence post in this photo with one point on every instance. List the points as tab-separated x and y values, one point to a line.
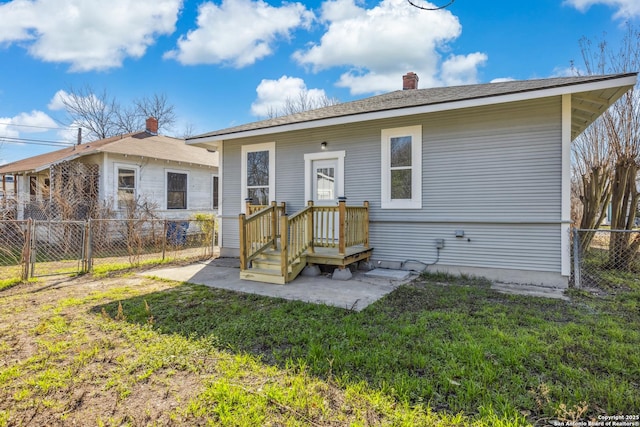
577	253
85	247
164	238
26	251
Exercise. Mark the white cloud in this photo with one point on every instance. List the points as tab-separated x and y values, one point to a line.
87	34
624	8
273	95
462	69
32	122
502	80
57	102
238	32
381	44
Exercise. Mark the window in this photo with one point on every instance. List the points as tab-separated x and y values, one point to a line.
258	173
402	168
33	186
126	187
214	194
176	190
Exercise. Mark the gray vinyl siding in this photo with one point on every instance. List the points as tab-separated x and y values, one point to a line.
494	172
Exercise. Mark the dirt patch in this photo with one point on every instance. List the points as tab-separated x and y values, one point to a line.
60	363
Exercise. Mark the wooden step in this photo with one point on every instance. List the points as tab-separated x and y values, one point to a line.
262	275
266	264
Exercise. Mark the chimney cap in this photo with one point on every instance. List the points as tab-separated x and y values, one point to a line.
152	125
410	81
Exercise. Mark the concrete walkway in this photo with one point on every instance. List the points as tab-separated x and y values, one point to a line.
223	273
356	294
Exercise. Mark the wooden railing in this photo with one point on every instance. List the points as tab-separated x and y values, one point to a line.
341	226
259	231
338	227
296	238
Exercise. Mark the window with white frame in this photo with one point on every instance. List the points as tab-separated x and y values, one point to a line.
215	193
258	173
402	168
176	190
126	186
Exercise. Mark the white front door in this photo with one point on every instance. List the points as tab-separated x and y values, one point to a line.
324	176
325	180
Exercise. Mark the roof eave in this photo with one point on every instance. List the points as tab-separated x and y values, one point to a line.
625	81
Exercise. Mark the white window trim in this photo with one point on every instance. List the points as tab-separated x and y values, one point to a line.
136	189
415	132
325	155
166	188
271	148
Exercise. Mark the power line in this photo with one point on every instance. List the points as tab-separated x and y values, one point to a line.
31	141
430	8
37	127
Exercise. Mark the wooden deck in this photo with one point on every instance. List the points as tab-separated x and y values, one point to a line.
330	256
275	247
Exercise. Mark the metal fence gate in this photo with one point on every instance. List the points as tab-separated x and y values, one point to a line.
13	238
57	247
606	259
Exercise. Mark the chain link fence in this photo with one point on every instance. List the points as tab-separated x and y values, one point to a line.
13	238
37	248
605	259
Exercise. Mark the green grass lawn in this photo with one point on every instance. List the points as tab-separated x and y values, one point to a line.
441	351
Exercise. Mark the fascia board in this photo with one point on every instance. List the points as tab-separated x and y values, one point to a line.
628	81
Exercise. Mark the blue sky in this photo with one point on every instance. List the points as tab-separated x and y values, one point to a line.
226	62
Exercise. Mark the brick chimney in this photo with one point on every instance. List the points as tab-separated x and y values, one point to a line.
152	125
410	81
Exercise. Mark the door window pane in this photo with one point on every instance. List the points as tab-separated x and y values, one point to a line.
258	168
325	184
258	177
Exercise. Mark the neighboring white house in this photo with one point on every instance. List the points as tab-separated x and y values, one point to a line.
157	171
475	179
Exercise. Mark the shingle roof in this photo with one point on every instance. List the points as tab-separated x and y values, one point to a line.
135	144
412	98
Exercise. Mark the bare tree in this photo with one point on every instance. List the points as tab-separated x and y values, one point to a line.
592	176
303	101
94	112
610	150
102	116
156	106
128	120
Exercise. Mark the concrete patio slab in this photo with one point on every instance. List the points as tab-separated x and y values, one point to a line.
223	273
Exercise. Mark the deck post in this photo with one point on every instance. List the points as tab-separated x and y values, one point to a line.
366	224
284	245
243	243
247	205
274	224
342	215
310	236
